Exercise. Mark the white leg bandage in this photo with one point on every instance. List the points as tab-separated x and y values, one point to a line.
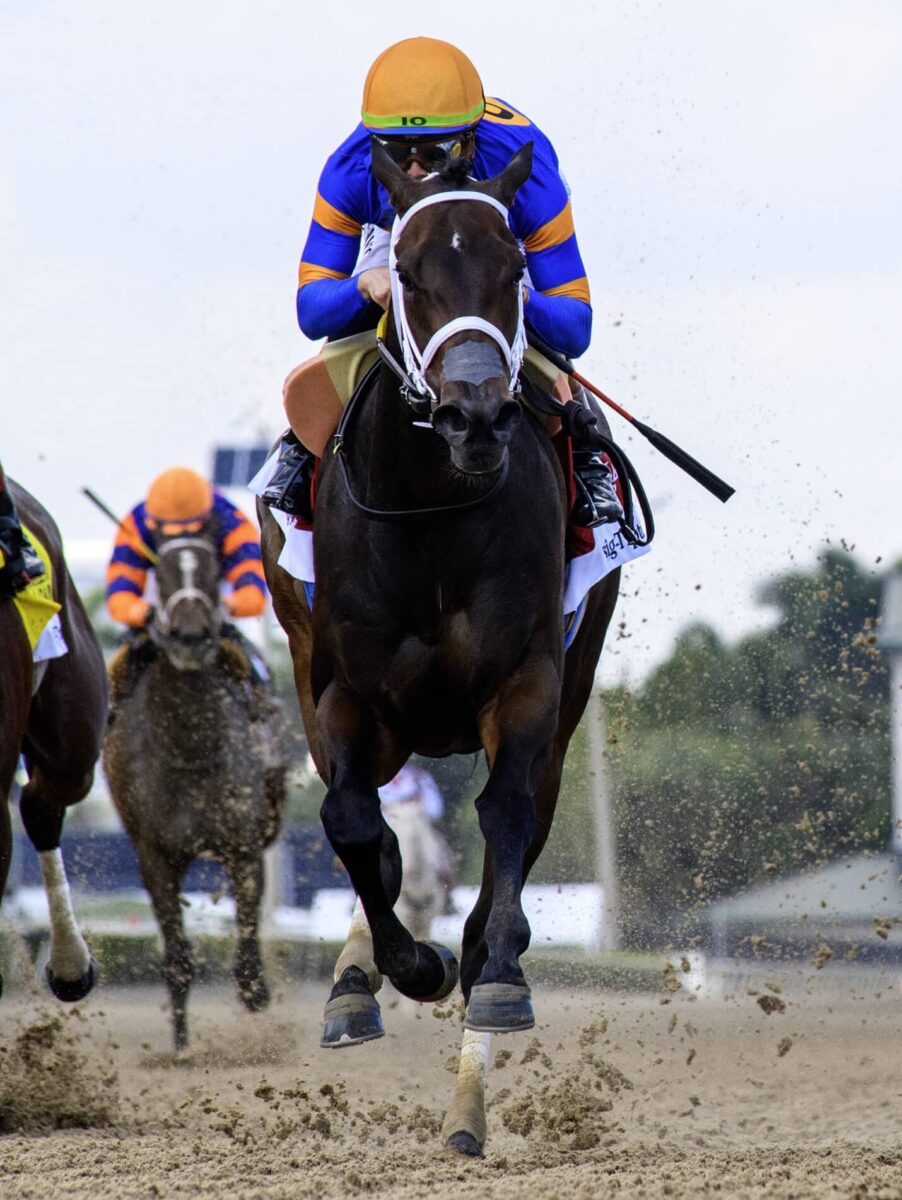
69	956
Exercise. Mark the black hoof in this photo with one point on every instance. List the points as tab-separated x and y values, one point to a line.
450	972
499	1008
70	990
352	1013
464	1143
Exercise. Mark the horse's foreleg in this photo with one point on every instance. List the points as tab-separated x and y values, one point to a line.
517	730
71	970
162	882
247	884
352	818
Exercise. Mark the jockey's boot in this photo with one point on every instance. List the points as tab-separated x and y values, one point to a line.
289	488
21	564
596	500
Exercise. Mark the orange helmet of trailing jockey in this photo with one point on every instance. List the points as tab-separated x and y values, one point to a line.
422	85
179	501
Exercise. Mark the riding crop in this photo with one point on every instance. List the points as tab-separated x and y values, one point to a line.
669	449
133	537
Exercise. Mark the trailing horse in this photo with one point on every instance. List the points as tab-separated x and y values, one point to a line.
194	766
53	712
437	621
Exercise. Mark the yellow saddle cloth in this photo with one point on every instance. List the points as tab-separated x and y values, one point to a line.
35	603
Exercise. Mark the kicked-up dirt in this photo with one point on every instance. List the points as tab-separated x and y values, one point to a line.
785	1088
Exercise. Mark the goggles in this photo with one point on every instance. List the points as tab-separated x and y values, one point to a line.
174	528
433	152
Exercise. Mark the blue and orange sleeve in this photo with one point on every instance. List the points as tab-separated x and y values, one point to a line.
328	298
559	306
242	563
126	575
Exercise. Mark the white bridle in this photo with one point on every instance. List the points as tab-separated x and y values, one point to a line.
416	362
187	548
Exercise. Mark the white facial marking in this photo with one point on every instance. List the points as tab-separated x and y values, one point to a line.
188	566
455	241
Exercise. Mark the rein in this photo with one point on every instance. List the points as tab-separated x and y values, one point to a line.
341	443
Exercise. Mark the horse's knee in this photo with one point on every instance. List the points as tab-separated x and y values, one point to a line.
351	817
508	821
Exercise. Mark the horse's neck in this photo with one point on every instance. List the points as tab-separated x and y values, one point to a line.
399	463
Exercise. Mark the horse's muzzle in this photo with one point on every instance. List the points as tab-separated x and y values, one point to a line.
477	433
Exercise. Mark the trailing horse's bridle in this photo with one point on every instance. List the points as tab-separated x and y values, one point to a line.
187	566
416	389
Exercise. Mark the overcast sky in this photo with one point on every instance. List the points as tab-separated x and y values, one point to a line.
737	188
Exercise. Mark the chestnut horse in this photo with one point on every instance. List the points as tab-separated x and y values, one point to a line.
53	713
437	625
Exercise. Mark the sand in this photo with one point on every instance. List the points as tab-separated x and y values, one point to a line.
611	1095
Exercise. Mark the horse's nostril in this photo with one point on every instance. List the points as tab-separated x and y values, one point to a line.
506	419
449	419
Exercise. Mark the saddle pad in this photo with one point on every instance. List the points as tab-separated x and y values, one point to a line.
610	551
38	610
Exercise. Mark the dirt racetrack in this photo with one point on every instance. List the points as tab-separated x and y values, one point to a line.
763	1093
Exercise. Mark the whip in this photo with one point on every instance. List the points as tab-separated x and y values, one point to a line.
132	537
669	449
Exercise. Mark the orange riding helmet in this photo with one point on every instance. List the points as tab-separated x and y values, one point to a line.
422	85
178	500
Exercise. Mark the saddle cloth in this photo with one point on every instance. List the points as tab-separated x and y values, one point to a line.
610	550
38	611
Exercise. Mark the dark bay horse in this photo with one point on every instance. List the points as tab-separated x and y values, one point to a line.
53	713
193	769
437	625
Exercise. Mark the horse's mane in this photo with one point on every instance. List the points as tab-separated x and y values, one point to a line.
456	172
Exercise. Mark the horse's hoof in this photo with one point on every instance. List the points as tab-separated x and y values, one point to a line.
70	990
464	1143
499	1008
351	1019
450	974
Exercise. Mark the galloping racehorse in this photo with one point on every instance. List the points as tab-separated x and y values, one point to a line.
191	772
54	713
437	623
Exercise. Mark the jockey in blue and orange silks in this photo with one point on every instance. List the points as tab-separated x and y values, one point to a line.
423	101
180	501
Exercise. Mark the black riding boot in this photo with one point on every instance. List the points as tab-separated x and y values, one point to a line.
596	500
22	564
289	487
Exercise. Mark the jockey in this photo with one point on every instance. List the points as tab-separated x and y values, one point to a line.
182	502
19	562
423	102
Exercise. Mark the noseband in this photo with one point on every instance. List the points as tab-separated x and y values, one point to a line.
419	392
187	566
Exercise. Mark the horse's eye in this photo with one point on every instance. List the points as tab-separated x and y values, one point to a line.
405	280
520	272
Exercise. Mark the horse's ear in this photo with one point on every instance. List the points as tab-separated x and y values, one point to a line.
506	185
400	187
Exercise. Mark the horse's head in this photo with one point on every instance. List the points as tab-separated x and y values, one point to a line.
188	615
456	299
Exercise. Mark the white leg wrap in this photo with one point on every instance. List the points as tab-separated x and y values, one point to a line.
358	949
69	956
467	1109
